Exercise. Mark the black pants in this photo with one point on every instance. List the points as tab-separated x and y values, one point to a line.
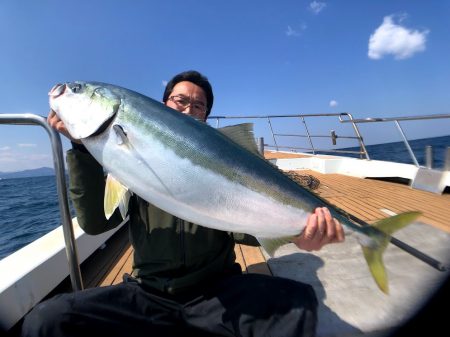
240	305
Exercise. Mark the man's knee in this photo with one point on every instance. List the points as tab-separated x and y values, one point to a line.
46	316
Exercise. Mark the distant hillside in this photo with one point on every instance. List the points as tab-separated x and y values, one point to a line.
39	172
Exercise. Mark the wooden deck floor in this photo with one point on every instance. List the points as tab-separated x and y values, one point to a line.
372	199
104	268
367	199
251	260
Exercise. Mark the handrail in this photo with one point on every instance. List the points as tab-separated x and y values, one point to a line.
392	119
58	162
269	118
397	120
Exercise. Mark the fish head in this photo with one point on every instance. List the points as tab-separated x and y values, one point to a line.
84	107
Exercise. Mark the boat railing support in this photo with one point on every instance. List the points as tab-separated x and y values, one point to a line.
310	136
397	121
58	162
447	160
273	134
429	159
260	144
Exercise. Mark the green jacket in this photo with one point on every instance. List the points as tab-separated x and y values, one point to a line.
170	254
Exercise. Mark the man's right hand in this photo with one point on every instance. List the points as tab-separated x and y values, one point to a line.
56	123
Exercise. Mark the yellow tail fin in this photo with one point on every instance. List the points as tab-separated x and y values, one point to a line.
373	252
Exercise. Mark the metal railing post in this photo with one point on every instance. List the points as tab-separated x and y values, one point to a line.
261	145
58	162
273	135
309	136
447	160
343	117
358	134
429	156
399	128
405	140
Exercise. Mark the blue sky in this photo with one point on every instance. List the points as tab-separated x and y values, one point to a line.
370	58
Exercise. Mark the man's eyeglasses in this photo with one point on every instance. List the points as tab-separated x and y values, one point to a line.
184	102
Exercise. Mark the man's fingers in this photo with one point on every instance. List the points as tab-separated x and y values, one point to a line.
311	228
56	123
330	224
321	229
321	225
53	119
50	115
340	236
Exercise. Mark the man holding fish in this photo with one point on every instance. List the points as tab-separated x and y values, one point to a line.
185	280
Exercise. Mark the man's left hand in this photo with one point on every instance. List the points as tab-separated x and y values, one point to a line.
321	229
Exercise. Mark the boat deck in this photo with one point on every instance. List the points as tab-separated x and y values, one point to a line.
108	271
108	265
372	199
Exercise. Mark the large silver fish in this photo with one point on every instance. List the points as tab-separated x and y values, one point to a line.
196	172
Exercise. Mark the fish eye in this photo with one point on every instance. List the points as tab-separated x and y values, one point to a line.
76	87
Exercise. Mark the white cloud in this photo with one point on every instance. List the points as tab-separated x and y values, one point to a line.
316	6
6	157
164	83
5	148
18	161
392	38
333	103
26	145
291	32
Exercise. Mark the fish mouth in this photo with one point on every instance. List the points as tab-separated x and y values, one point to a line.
60	89
88	109
57	90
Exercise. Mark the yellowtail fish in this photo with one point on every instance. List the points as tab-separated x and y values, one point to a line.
196	172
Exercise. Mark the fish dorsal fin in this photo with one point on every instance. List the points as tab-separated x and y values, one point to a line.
116	195
243	135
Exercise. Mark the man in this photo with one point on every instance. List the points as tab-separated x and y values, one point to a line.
185	280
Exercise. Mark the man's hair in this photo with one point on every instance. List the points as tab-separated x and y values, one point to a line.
196	78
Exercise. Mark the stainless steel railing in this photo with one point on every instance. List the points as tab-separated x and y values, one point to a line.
302	118
58	162
397	121
343	118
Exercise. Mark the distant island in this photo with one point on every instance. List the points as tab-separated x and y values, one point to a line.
39	172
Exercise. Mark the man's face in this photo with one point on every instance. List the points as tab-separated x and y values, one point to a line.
189	99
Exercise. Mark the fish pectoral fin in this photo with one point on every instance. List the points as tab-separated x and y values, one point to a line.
116	195
373	250
243	135
271	245
120	134
123	205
